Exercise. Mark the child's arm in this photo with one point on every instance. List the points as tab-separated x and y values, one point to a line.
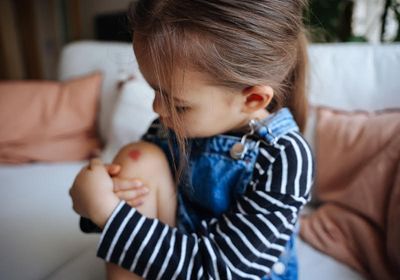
135	160
92	192
130	190
145	161
245	242
123	187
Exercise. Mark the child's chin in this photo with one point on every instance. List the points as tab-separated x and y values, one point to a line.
165	123
186	133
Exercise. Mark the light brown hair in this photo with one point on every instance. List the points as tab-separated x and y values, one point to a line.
239	43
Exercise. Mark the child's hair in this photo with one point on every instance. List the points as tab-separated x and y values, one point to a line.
238	43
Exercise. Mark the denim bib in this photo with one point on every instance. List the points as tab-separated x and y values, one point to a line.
214	178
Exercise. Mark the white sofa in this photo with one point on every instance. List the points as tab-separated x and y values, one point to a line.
39	235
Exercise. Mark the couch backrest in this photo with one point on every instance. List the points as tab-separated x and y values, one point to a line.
115	60
353	76
345	76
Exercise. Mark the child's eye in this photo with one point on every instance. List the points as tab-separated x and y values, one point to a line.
181	109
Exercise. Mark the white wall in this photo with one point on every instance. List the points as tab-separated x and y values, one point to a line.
367	20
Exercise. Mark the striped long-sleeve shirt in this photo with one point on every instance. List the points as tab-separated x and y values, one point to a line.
243	243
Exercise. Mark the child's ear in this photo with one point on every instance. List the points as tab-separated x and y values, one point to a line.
257	97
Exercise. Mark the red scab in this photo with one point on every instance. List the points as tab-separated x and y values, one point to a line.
135	154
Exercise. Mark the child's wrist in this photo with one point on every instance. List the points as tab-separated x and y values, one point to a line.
101	216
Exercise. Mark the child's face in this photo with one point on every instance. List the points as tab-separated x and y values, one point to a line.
204	109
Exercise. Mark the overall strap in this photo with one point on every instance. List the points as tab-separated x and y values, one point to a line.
275	125
266	130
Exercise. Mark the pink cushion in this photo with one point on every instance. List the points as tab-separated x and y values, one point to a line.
358	185
48	120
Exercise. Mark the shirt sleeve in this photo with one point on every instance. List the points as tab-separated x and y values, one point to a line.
243	243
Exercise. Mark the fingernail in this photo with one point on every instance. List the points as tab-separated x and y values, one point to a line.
137	184
139	203
145	190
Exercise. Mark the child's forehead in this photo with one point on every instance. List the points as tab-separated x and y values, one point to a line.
171	77
169	57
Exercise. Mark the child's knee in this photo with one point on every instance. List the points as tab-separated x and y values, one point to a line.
148	163
143	160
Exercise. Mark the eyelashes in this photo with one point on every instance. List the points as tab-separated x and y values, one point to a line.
179	109
182	109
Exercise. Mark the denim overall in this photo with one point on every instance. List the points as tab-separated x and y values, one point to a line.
214	178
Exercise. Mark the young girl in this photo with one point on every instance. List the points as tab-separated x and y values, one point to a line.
226	164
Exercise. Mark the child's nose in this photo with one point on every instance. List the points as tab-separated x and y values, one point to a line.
159	106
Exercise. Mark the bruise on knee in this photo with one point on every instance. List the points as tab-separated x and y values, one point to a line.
138	159
135	154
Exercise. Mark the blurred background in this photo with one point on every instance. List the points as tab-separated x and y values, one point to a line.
32	32
48	131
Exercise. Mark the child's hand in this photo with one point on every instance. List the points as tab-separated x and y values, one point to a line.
92	193
130	190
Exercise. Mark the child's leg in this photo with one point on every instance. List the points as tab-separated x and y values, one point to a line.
147	162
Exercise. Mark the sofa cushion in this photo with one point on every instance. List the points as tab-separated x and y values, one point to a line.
40	230
115	60
48	120
131	116
358	186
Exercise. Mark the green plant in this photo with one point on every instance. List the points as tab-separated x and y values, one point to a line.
393	5
331	20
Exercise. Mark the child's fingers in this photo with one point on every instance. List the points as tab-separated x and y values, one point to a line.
132	195
113	169
126	184
95	162
135	202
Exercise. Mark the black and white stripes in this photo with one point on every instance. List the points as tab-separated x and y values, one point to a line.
243	243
